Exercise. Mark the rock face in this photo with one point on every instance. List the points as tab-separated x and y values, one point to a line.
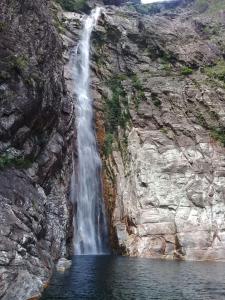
36	128
158	85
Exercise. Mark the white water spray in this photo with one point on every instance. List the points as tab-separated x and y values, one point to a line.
90	228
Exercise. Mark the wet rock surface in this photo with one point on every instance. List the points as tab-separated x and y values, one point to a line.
36	128
63	264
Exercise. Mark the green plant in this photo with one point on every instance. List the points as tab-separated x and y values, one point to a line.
201	120
7	161
72	5
186	71
217	71
139	89
168	68
117	105
164	130
19	63
2	26
147	9
107	148
156	101
218	134
209	7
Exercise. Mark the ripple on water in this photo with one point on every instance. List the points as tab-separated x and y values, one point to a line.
123	278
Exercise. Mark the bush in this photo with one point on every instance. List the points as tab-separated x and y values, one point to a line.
72	5
186	71
217	71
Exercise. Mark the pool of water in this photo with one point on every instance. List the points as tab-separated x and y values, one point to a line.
124	278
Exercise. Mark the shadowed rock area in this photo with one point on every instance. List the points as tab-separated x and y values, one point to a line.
36	123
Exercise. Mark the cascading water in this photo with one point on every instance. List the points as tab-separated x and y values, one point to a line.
90	227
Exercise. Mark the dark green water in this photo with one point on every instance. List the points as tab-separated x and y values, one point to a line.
123	278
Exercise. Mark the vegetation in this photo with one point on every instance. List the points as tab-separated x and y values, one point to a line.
72	5
218	134
117	113
217	71
2	26
7	161
19	63
186	71
147	9
211	7
201	120
116	107
107	149
139	89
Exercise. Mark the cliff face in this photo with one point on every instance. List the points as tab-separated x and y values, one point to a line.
158	85
36	126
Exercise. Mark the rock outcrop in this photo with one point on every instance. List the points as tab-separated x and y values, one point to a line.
36	129
158	85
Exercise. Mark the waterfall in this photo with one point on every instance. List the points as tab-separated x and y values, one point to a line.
90	227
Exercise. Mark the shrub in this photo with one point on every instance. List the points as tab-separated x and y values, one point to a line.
186	71
217	71
218	134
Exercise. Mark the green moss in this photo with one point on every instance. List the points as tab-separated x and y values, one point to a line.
107	148
164	130
214	115
168	68
146	9
19	63
117	106
59	25
201	120
186	71
72	5
7	161
218	134
156	101
2	26
139	90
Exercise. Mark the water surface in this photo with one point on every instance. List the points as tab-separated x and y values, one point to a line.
124	278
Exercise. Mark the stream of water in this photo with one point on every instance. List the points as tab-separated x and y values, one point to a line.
90	226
